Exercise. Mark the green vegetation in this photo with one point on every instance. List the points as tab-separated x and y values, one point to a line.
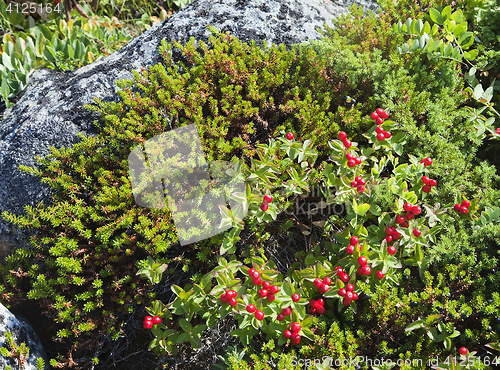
430	65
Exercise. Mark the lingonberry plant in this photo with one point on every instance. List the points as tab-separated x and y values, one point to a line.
259	297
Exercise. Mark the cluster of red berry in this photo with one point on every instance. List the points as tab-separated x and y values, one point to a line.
286	312
350	248
462	208
229	297
265	203
426	161
348	294
323	286
150	321
342	275
259	315
317	306
293	334
428	184
379	115
347	143
363	268
358	183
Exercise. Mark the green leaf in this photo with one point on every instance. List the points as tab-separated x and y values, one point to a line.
433	45
446	12
460	29
287	288
436	16
184	337
432	319
471	54
466	40
416	325
478	92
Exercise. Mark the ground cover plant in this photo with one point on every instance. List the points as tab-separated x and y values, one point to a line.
405	268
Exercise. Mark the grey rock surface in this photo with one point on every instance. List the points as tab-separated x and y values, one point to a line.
51	113
22	332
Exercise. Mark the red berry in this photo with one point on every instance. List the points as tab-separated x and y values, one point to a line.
391	250
466	203
251	308
348	295
349	155
425	179
358	271
379	130
387	134
324	288
231	294
320	302
383	114
354	296
366	270
463	351
349	249
357	160
410	216
463	210
345	277
289	136
380	275
351	163
347	143
354	184
380	137
390	230
327	280
266	284
263	293
156	320
400	219
259	315
342	136
274	289
296	327
224	298
295	297
268	198
396	236
255	275
338	269
407	207
342	292
312	303
427	161
457	207
388	239
257	281
280	317
148	318
148	324
264	207
426	188
346	302
360	189
361	182
374	115
233	302
379	111
362	260
405	224
295	340
349	288
432	182
270	297
416	210
318	283
287	334
354	240
417	233
321	310
379	121
498	131
312	310
287	311
251	271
